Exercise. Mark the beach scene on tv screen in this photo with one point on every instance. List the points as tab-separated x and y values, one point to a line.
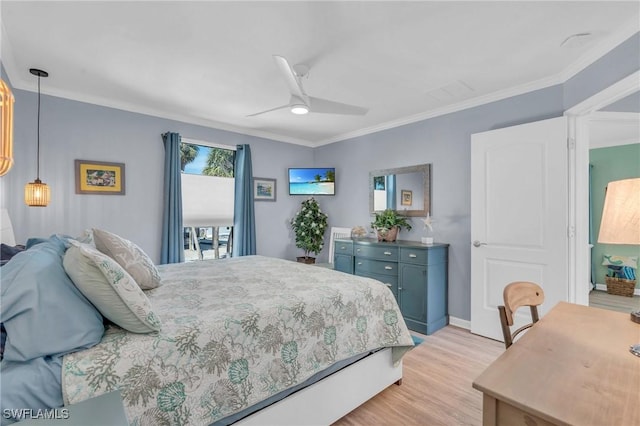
319	181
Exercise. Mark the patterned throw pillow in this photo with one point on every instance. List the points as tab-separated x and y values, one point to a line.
129	256
110	288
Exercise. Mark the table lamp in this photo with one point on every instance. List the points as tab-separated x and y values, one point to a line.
621	222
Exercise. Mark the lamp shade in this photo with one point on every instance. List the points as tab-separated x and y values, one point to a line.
37	194
621	213
6	143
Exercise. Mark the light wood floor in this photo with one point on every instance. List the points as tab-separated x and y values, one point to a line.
604	300
436	387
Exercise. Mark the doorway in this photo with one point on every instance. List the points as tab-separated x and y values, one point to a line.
580	118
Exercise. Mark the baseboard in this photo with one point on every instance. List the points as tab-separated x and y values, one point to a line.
460	323
603	287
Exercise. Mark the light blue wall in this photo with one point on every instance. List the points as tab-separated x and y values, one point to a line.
610	164
72	130
445	143
615	65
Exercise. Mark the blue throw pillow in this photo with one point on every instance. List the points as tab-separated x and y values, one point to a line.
42	310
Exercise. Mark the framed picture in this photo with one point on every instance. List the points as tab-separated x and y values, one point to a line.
99	177
264	189
406	197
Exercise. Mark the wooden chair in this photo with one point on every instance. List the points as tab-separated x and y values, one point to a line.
515	295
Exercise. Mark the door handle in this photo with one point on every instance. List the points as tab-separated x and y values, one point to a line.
477	243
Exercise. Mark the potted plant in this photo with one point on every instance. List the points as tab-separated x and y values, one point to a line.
309	225
388	223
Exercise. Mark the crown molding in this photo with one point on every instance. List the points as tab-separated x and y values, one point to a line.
602	48
597	52
466	104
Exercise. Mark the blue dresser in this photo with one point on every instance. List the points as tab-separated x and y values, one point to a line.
416	274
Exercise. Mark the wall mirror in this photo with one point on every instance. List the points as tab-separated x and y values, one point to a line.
406	190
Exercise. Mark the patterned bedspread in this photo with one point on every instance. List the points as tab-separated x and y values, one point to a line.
235	332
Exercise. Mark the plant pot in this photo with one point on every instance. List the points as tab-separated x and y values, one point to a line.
306	259
388	235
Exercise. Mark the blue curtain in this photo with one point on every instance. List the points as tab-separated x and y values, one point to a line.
591	241
172	232
391	192
244	222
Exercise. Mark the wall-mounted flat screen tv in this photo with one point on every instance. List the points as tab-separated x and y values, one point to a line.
312	181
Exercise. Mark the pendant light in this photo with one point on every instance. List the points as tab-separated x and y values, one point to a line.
6	143
37	193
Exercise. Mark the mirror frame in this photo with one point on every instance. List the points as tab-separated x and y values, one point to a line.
424	168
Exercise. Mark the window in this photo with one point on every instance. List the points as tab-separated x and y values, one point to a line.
207	199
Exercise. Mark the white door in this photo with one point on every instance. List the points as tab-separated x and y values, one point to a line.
519	217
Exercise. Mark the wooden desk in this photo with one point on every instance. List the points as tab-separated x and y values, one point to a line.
572	368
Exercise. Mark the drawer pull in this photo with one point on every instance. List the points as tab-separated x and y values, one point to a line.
359	263
342	247
412	255
387	253
388	268
358	250
388	285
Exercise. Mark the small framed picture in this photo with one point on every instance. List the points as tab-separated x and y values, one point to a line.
99	177
264	189
406	197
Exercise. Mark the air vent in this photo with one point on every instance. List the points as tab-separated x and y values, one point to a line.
452	91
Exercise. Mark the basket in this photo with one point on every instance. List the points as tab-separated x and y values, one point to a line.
620	286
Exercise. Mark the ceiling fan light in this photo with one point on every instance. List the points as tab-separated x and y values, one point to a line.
299	109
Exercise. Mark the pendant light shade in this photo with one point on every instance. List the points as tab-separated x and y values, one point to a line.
37	193
6	143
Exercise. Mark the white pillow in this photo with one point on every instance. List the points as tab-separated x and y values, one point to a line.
110	288
86	237
131	257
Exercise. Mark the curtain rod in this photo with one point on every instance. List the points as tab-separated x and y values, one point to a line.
210	144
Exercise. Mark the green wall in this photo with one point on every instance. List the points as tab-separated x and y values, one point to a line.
609	164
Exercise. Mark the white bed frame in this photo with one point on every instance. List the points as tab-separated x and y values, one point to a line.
334	396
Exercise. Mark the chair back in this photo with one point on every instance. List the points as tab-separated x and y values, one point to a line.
337	232
516	295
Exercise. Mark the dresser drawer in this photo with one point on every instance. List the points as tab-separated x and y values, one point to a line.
343	247
373	252
370	266
390	281
417	256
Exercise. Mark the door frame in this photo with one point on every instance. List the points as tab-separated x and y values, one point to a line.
578	121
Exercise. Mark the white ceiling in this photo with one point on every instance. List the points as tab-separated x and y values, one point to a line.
210	62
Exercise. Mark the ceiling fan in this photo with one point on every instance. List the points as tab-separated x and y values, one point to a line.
300	102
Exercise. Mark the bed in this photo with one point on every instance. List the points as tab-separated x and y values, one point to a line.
252	340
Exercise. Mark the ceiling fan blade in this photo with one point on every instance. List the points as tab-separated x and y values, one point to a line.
269	110
290	77
330	107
